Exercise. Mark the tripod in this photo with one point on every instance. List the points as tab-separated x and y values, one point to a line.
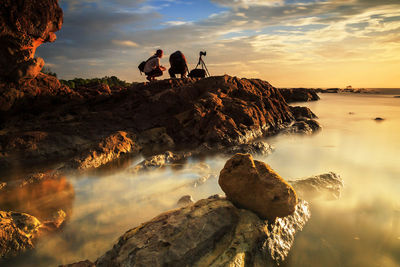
202	65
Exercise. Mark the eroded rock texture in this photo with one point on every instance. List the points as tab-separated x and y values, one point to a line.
25	25
328	186
211	232
253	185
299	94
60	125
18	231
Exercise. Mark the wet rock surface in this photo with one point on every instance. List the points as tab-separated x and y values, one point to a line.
299	94
211	232
328	186
254	148
18	232
253	185
213	113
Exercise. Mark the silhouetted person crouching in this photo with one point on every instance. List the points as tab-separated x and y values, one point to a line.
178	64
153	68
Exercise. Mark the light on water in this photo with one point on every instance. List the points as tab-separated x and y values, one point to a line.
360	229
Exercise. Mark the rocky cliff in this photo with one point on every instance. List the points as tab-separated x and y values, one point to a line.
25	25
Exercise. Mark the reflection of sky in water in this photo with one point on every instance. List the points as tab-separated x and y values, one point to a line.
362	229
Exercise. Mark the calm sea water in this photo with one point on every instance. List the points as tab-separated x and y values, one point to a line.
360	229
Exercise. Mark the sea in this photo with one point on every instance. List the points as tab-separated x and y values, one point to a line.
362	228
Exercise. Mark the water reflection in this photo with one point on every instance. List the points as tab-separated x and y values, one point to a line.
41	199
361	229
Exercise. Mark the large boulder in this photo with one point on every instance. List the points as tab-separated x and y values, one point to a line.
211	232
253	185
25	25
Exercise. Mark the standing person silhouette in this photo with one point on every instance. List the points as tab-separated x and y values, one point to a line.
153	68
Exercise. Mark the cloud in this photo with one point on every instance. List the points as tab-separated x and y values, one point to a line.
125	43
243	38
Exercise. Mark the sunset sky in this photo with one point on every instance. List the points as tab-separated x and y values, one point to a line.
290	43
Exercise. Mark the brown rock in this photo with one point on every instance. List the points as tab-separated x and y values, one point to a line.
25	25
253	185
86	263
299	94
18	231
107	150
185	200
211	232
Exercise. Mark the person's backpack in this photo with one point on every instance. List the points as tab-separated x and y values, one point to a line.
197	73
141	66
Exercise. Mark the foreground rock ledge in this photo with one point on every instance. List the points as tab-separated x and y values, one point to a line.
211	232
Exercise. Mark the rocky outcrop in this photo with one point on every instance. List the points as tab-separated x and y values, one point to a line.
253	185
159	161
302	113
18	232
328	186
254	148
107	150
212	113
211	232
299	94
25	25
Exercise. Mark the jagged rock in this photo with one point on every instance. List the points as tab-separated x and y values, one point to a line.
211	232
302	113
327	185
159	161
107	150
299	94
253	185
214	113
18	232
185	200
25	25
304	126
254	148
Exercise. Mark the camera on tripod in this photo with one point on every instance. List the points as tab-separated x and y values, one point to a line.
197	72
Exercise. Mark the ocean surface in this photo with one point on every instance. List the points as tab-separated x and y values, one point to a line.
360	229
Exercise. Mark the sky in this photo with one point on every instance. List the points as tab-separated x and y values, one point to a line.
289	43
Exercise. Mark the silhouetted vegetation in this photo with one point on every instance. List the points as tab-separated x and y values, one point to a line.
48	71
110	81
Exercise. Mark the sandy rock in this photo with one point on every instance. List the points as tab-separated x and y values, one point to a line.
18	232
185	200
253	185
299	94
211	232
26	25
328	186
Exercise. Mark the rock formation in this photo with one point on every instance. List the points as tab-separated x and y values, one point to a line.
17	233
215	232
211	232
327	185
212	113
253	185
25	25
299	94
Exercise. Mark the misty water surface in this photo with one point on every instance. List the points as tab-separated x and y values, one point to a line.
361	229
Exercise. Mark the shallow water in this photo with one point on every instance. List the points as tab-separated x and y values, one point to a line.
361	229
